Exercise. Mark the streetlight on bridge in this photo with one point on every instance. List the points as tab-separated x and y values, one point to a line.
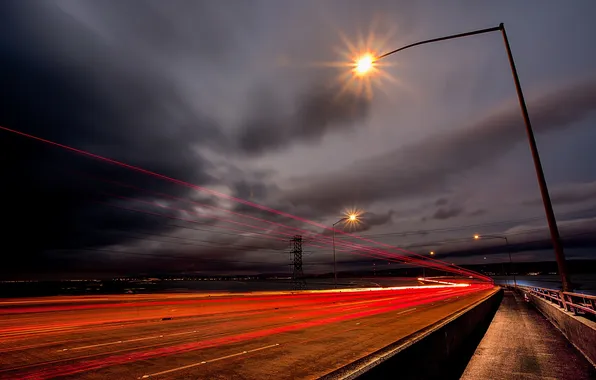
365	65
351	218
432	253
477	237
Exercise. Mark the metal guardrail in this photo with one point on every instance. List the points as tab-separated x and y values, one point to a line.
576	303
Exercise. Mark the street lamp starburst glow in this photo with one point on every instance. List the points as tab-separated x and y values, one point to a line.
366	72
364	64
350	219
360	70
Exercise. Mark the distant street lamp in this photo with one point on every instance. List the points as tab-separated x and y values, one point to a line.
432	253
365	64
477	237
352	218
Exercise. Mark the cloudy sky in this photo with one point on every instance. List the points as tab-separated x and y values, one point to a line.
243	98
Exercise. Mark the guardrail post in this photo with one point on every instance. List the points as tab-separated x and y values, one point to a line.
576	303
569	301
562	298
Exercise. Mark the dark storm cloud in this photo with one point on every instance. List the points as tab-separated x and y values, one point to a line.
319	110
62	81
426	167
446	213
263	192
575	233
129	262
477	212
223	254
441	202
253	190
444	210
148	83
572	193
587	240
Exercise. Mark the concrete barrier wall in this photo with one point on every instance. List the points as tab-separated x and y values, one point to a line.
580	331
441	350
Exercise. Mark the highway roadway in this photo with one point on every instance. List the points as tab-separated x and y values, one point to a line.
266	335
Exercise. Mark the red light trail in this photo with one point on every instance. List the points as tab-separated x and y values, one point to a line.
208	324
317	237
436	264
424	261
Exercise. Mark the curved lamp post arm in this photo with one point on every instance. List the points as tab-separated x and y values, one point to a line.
481	31
548	208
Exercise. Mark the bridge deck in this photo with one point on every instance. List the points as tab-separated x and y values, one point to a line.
235	336
522	344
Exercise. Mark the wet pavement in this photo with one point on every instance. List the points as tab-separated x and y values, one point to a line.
522	344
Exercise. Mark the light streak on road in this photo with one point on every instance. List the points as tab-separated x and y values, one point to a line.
406	311
274	317
128	341
308	295
208	361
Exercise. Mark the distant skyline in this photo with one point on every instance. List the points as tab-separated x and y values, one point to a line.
240	98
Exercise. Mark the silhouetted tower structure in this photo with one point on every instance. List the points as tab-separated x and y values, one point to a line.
298	275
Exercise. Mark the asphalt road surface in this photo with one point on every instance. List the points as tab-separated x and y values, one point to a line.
273	335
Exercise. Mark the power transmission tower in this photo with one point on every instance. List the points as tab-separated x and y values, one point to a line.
298	275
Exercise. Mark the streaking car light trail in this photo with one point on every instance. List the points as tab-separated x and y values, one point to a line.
308	295
226	196
330	308
320	238
429	262
370	252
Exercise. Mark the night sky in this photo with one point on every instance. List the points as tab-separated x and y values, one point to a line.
248	99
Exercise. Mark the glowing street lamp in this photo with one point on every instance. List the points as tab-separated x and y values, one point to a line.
351	218
364	65
432	253
477	237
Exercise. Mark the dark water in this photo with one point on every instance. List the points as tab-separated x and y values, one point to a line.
251	286
52	288
582	283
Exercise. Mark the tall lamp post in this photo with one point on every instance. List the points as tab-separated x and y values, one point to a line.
365	63
350	218
477	237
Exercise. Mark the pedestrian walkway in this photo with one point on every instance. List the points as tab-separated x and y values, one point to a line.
522	344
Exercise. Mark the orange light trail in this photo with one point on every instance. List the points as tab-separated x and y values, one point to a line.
424	261
313	310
